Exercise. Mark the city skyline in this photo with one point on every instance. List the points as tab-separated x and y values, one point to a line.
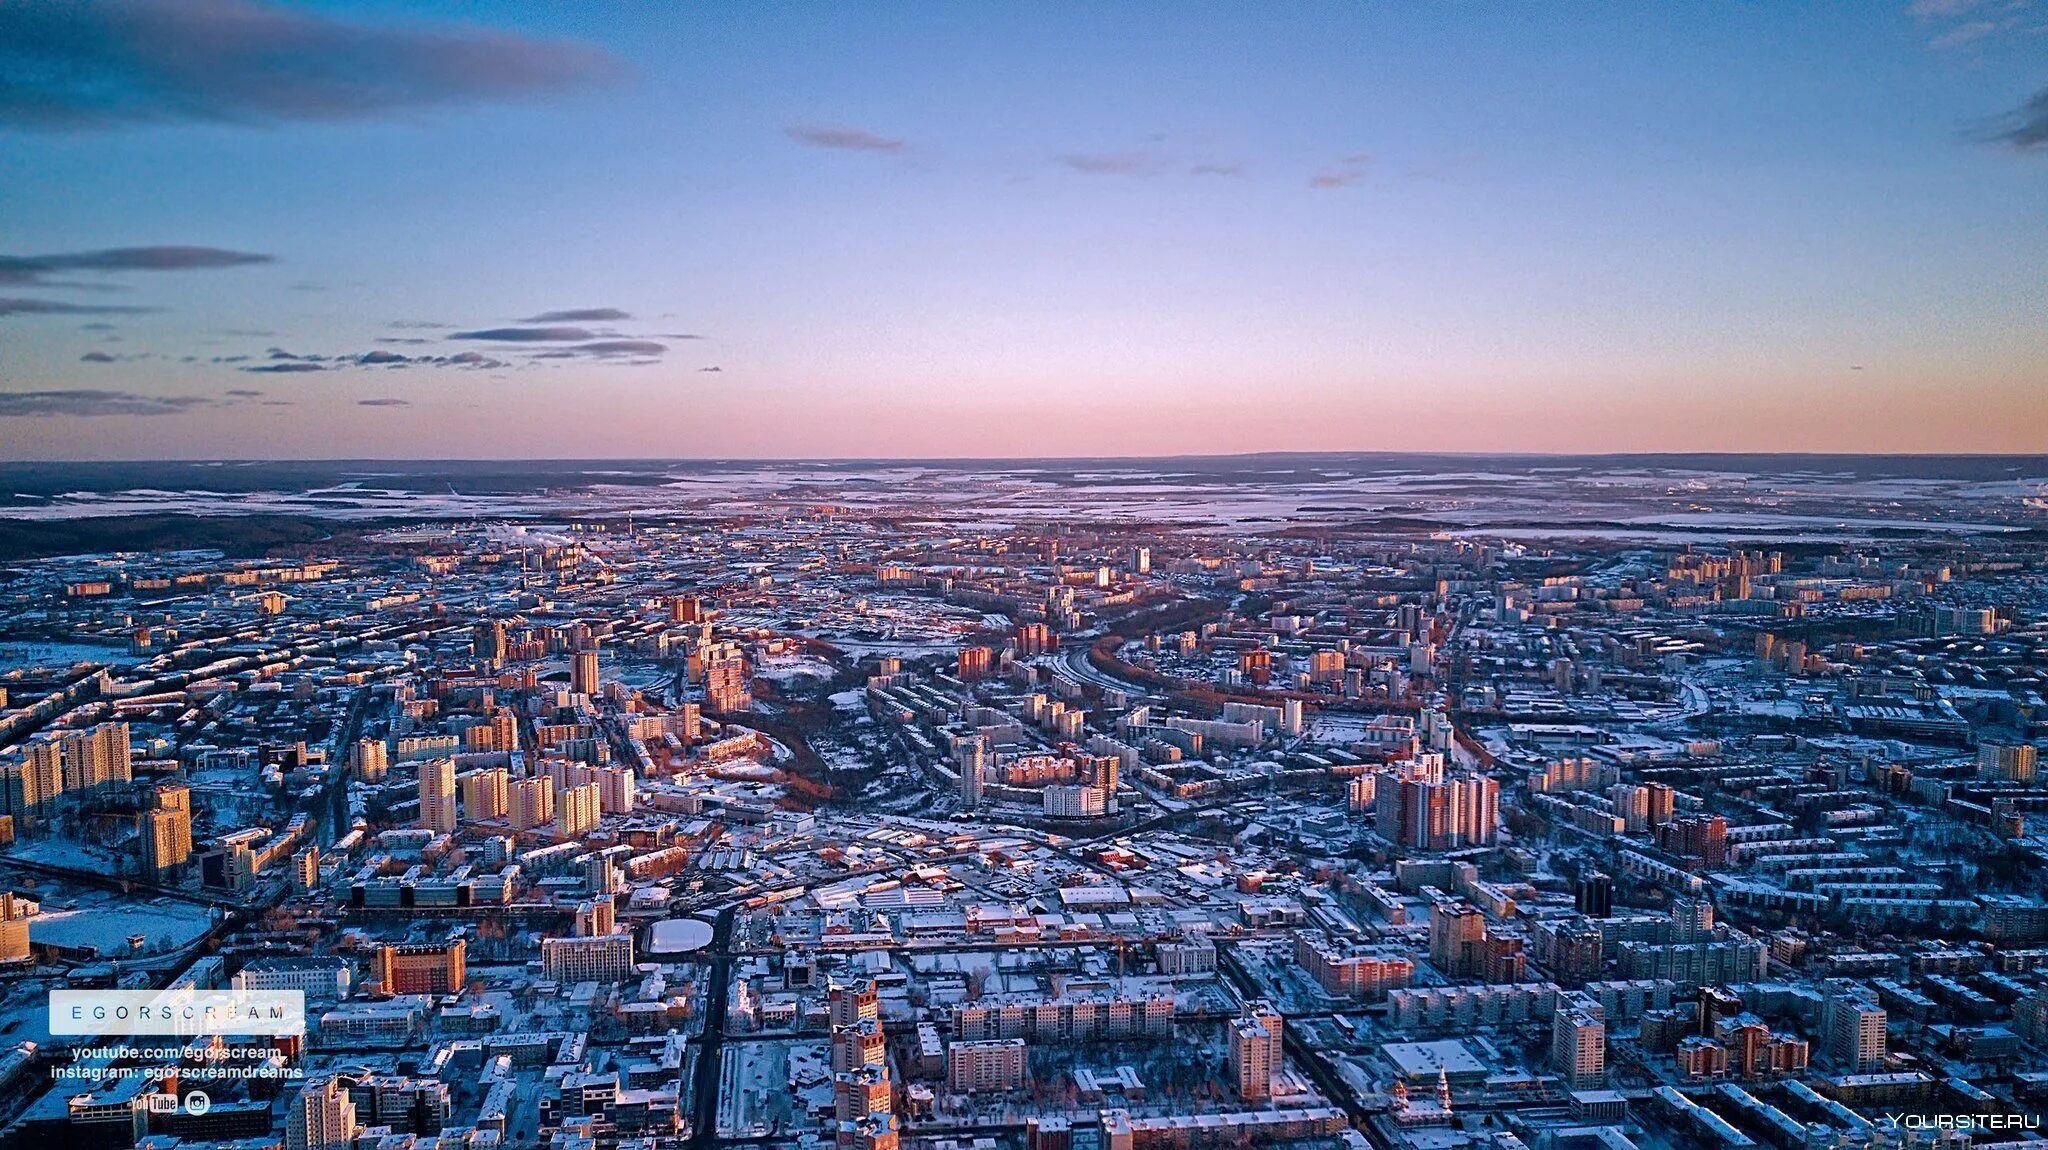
892	232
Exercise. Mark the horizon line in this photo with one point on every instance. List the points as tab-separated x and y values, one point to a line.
1012	459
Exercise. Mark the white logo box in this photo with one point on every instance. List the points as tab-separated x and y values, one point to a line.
182	1012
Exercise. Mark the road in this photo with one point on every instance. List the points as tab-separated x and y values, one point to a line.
1073	664
1312	1061
710	1045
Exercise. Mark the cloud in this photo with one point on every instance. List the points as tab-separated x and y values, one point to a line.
2024	129
1955	24
1968	32
157	258
529	334
1346	172
713	367
95	357
578	315
243	392
609	350
1217	169
419	323
89	401
56	307
279	361
1115	163
621	347
843	138
383	403
121	62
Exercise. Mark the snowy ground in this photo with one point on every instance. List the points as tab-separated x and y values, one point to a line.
790	668
109	925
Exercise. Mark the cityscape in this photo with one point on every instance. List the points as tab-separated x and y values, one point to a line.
994	576
1331	802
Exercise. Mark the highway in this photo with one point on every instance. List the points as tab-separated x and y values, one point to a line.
704	1083
1074	666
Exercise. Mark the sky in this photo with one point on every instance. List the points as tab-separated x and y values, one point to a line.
233	229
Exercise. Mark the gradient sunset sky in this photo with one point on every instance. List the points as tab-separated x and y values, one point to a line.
238	229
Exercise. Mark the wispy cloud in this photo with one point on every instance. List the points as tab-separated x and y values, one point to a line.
57	307
1967	32
1955	24
1146	162
579	315
563	341
93	401
2025	128
278	361
580	341
1346	172
843	137
621	347
119	62
157	258
1116	163
529	334
383	403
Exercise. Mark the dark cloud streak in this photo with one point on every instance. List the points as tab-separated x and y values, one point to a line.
579	315
621	347
843	138
157	258
56	307
87	402
71	66
2025	128
529	334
